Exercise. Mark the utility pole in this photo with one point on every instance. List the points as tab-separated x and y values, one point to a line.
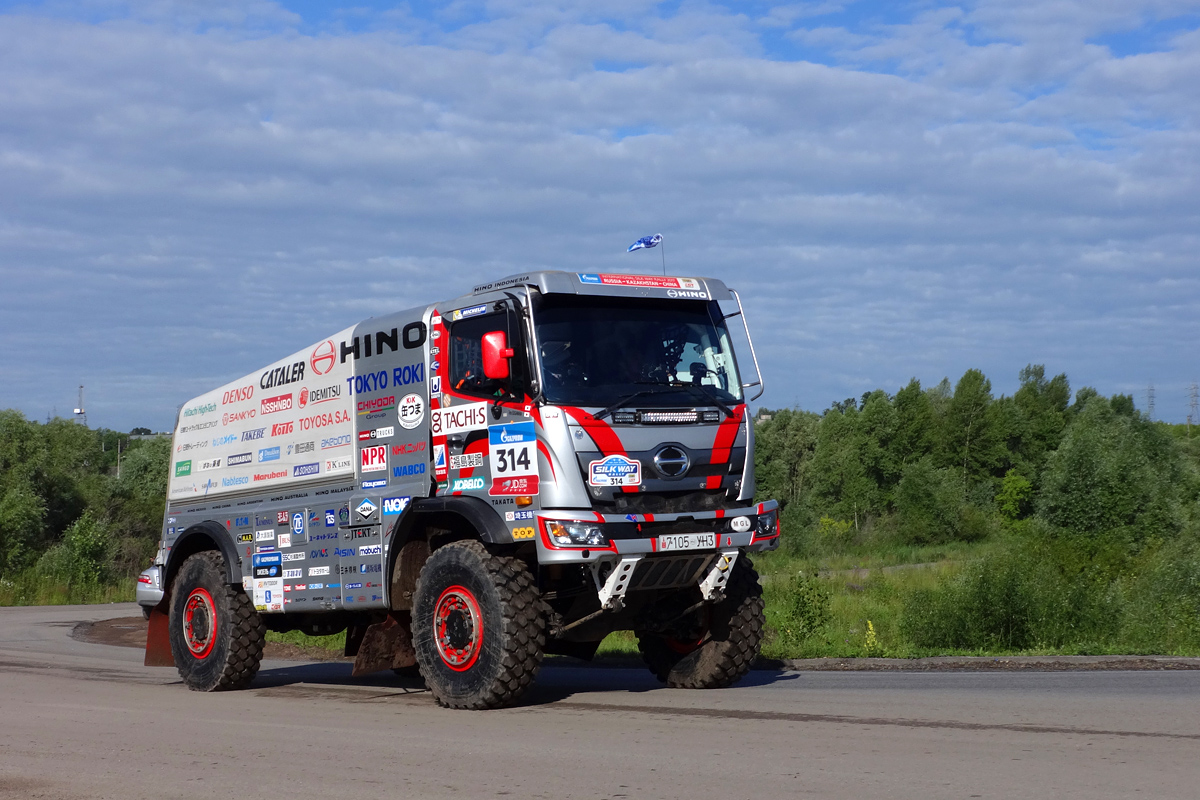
81	413
1150	402
1193	417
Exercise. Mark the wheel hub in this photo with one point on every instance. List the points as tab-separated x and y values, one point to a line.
458	628
200	623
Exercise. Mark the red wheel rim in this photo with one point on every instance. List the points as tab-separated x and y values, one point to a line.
687	644
200	623
458	628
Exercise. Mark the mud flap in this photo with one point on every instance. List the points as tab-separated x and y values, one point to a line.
158	637
386	645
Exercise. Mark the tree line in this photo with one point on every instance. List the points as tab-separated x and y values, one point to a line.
939	464
66	512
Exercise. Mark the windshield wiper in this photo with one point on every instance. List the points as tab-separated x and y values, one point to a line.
710	393
601	414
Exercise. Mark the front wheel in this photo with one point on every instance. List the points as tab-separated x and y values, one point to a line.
478	627
216	635
715	646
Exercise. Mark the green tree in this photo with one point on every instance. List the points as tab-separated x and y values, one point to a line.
784	448
972	436
1113	472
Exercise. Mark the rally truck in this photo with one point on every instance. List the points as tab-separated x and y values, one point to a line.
467	486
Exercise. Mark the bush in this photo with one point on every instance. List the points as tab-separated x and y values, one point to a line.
83	556
1021	597
798	608
1112	472
929	502
1163	600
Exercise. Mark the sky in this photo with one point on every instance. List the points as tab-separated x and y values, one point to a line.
191	190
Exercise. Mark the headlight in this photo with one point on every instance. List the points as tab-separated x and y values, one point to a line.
569	534
768	525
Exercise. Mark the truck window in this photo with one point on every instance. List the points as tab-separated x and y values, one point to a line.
466	356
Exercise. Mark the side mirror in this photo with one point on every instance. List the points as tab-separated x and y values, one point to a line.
496	354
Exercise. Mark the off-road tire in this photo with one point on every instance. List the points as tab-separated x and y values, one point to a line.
728	646
488	653
231	660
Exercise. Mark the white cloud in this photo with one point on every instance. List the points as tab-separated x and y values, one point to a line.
184	202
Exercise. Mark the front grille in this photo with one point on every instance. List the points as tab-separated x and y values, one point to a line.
668	572
665	502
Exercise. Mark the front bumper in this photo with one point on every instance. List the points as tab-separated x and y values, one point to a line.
150	587
762	534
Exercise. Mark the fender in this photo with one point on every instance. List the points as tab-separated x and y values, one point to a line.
199	537
482	516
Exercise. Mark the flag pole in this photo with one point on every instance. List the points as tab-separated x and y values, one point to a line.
663	245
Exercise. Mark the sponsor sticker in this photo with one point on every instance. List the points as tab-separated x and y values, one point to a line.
268	454
365	509
301	470
334	465
271	405
395	505
467	313
374	484
373	459
281	518
239	459
467	417
644	281
284	540
267	535
183	468
615	470
376	406
330	518
253	434
377	433
467	484
370	550
406	470
312	571
512	456
411	412
293	556
439	458
210	464
293	573
245	538
466	461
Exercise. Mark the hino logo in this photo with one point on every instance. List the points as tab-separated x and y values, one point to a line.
672	462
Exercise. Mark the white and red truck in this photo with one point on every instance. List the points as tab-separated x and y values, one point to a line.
466	486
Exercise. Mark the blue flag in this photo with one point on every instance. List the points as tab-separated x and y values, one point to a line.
646	241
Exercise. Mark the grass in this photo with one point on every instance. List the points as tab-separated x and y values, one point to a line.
335	642
30	588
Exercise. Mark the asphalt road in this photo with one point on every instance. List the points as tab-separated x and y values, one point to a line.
88	721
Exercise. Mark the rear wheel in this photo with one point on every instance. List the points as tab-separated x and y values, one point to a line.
478	627
716	645
216	635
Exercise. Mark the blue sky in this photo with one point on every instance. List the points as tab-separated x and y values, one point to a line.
191	190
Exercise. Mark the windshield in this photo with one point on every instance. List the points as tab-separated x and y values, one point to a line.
596	351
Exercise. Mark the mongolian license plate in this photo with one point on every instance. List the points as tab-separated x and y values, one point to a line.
687	541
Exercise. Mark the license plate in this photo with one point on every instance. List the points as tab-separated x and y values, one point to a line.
687	541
